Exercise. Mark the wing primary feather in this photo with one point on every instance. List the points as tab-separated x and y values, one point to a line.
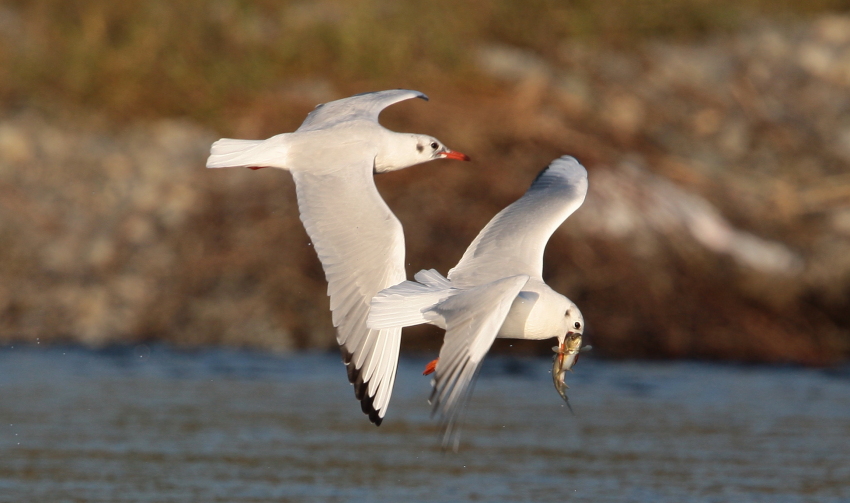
374	362
473	318
514	240
359	386
365	106
452	428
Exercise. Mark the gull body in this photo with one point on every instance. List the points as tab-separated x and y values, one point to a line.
332	157
496	290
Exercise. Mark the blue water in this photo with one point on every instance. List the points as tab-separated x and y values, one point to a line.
153	424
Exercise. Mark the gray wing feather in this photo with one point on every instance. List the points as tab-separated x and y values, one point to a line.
366	106
513	241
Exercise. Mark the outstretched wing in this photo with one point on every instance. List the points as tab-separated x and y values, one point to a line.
472	321
513	241
361	246
366	106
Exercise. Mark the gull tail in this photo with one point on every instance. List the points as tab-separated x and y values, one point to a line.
409	302
231	153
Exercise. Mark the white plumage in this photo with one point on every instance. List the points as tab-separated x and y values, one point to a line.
496	290
332	158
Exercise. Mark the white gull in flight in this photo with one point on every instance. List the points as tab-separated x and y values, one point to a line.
496	290
360	243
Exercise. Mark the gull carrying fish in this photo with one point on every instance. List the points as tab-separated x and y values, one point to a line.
496	290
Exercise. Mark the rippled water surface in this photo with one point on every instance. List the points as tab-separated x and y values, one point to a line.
141	424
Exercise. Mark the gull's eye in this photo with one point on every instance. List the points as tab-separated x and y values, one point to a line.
434	145
577	325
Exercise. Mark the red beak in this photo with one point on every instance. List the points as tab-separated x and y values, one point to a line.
451	154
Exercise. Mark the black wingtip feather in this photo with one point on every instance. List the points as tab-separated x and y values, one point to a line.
349	366
355	377
360	387
544	170
367	406
539	175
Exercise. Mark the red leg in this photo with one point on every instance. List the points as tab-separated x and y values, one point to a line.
431	367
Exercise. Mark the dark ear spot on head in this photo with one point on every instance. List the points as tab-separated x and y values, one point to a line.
419	147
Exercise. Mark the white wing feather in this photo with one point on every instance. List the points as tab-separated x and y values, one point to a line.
472	320
361	246
513	241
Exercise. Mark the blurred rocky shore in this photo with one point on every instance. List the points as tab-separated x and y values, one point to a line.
717	224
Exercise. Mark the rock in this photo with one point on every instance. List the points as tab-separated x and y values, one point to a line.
631	201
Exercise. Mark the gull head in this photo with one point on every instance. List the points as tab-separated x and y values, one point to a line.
407	150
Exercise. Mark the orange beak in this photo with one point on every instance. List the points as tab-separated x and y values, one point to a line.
451	154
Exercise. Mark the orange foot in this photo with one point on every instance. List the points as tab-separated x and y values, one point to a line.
431	367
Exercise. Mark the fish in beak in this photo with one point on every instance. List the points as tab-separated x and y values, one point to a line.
566	355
